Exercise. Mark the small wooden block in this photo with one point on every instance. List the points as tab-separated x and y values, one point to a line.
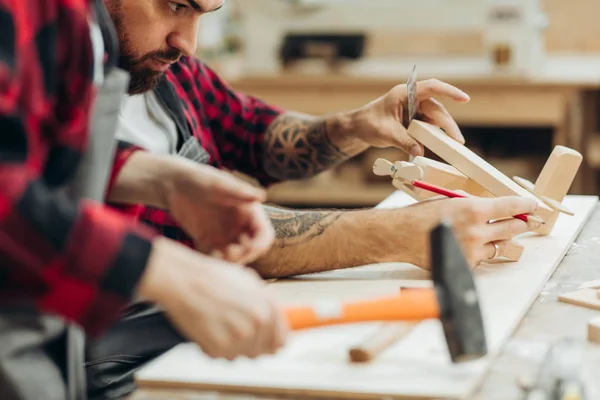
593	330
555	180
582	297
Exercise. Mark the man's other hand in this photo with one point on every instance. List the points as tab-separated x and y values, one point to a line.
222	213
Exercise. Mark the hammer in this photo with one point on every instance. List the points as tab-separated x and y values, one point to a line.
453	300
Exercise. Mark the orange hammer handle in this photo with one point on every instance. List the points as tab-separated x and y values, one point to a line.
409	305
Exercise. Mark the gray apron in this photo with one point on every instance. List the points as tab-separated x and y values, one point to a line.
92	175
41	357
90	182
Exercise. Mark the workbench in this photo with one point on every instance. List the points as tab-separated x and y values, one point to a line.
561	96
546	321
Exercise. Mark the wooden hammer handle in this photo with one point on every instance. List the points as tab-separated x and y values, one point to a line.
380	340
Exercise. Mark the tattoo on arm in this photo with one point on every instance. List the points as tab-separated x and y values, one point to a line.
298	146
293	227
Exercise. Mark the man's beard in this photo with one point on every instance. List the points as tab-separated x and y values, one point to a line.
142	79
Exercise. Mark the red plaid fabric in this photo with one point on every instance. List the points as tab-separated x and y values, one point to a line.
229	125
81	261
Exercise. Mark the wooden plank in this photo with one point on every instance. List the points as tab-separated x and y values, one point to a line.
470	164
315	362
586	297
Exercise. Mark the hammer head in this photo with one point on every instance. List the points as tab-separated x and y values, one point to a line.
460	313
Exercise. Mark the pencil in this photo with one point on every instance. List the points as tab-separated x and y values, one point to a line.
449	193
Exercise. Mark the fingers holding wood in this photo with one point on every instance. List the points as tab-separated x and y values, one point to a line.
384	337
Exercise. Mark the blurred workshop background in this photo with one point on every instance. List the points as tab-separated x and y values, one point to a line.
531	67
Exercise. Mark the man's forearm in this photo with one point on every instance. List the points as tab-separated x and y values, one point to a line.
315	241
145	179
299	146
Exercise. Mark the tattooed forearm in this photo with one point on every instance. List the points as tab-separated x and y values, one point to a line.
298	146
293	227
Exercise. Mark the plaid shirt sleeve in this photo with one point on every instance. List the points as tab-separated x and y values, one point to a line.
80	261
160	220
238	122
123	151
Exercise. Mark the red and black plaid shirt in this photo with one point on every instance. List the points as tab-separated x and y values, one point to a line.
229	125
81	261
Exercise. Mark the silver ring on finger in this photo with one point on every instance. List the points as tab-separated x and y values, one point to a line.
496	251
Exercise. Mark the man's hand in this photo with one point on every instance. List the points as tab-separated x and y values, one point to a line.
470	219
298	146
221	213
379	123
222	307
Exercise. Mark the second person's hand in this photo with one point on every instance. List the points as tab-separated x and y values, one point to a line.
224	308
